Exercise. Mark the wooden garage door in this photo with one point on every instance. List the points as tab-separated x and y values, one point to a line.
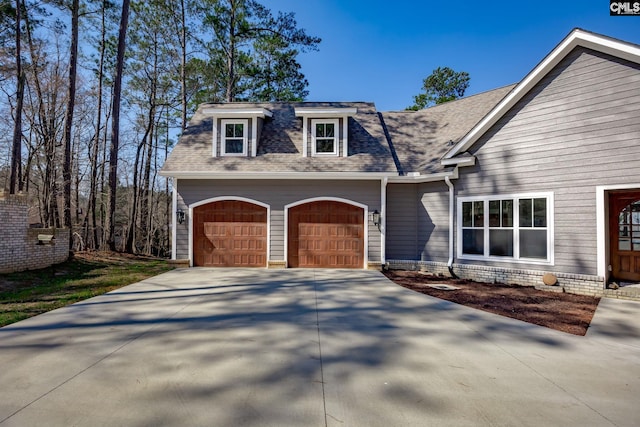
230	233
326	234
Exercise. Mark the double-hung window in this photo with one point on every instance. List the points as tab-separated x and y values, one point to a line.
324	137
506	228
234	137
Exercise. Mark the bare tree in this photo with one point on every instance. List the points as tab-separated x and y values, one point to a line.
115	125
15	181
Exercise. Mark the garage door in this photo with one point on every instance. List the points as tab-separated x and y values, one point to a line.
230	233
326	234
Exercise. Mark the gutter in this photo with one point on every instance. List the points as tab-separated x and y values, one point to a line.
230	175
447	180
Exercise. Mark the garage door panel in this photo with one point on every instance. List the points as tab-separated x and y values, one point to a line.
230	234
326	234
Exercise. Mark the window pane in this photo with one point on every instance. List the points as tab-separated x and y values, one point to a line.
624	244
494	213
329	130
539	212
478	214
320	130
473	242
501	242
324	146
228	130
507	213
233	146
526	213
533	244
467	214
239	129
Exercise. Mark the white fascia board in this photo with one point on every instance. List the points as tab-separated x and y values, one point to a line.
459	161
237	112
576	38
419	178
325	112
391	177
277	175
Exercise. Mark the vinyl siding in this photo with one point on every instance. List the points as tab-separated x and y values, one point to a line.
418	222
577	129
433	222
277	194
402	222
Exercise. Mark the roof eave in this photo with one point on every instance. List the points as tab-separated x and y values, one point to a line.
459	161
275	175
237	112
417	177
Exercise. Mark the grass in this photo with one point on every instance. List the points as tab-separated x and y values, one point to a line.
29	293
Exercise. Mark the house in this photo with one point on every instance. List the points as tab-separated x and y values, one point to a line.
542	177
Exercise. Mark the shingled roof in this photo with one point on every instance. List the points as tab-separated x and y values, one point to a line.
280	145
392	143
421	138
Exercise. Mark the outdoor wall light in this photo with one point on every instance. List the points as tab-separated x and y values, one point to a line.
180	216
375	217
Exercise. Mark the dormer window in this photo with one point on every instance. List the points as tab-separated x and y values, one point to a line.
324	137
325	130
236	130
234	138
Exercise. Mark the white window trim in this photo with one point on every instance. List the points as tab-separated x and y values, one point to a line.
336	138
516	248
245	137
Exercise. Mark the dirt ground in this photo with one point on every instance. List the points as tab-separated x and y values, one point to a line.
561	311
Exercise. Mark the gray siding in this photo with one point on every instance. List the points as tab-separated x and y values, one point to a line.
418	222
433	222
402	222
277	194
577	129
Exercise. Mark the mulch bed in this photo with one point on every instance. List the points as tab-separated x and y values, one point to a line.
556	310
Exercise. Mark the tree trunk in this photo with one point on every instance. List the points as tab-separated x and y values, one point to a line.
66	167
115	122
231	54
15	181
91	205
183	65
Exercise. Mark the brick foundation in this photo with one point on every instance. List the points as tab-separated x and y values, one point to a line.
572	283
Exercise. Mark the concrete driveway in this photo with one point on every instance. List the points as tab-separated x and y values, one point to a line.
247	347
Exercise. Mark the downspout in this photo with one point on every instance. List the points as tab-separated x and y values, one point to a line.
451	224
383	214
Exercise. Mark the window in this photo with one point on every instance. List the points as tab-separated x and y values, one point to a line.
509	228
234	137
324	137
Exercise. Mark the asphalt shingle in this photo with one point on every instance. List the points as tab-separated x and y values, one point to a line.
419	139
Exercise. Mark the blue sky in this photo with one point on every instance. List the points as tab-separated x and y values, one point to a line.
381	50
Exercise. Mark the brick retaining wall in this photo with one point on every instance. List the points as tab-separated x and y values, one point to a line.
19	245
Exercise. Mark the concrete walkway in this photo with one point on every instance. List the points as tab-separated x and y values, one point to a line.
227	347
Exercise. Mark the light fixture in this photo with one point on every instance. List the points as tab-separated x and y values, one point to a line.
180	216
375	217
